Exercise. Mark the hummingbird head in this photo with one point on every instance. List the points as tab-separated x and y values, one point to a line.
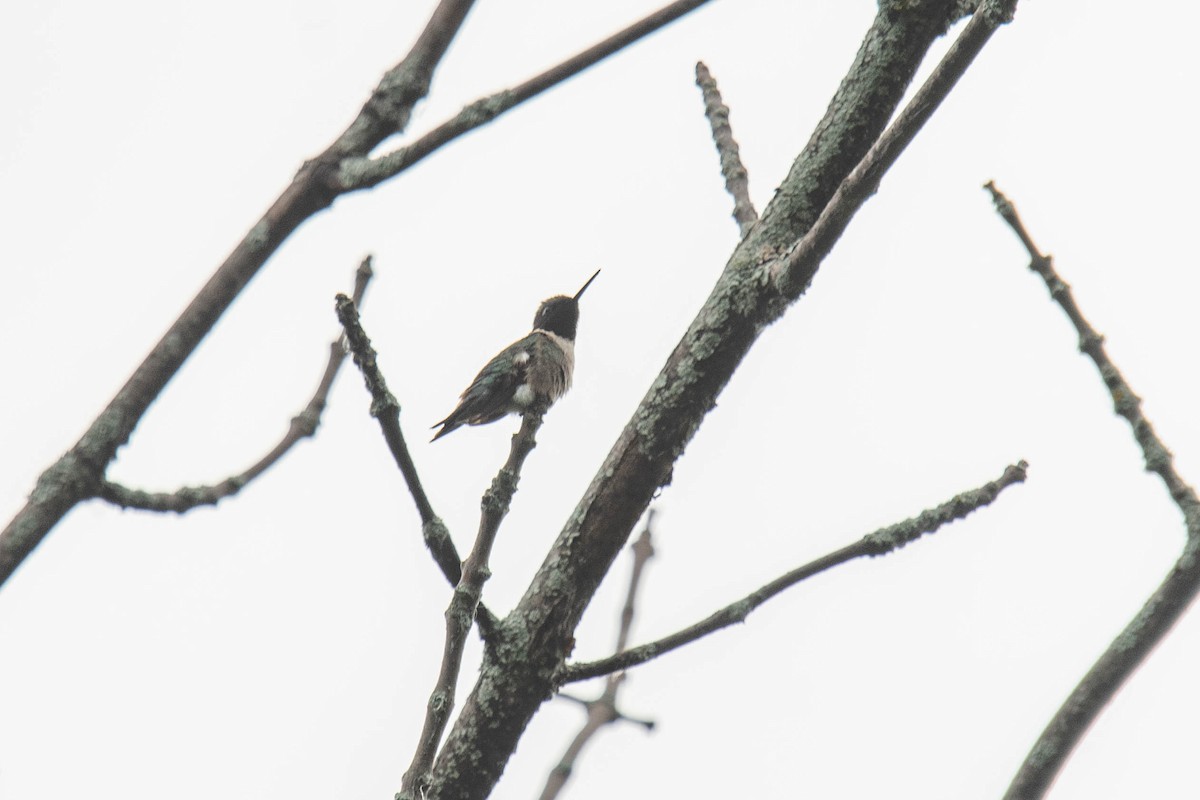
560	314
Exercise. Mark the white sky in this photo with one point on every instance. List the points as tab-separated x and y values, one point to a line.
283	645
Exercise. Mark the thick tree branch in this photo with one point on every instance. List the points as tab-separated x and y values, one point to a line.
390	106
520	672
303	425
386	411
1168	602
78	474
603	710
363	173
881	542
465	602
793	273
737	181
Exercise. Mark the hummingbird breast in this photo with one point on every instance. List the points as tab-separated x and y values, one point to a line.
548	370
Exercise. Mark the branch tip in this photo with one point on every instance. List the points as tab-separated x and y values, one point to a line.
737	181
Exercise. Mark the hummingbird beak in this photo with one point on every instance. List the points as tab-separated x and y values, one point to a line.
579	294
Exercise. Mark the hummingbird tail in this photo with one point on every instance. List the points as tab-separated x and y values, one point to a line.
448	425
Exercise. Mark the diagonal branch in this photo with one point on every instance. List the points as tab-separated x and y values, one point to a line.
881	542
363	173
465	602
77	475
1168	602
603	710
1125	402
737	181
303	425
515	681
793	273
386	411
390	106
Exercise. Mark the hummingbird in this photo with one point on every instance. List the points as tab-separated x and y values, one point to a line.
536	367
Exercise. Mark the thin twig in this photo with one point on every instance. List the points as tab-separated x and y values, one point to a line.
1169	600
386	411
603	710
879	543
643	551
302	426
363	173
1125	401
464	603
793	273
737	181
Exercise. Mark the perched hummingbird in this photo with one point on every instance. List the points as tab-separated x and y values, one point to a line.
538	366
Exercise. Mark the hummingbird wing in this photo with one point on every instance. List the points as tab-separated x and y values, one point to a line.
490	395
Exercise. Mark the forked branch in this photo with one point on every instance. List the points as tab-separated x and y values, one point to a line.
363	173
78	474
793	273
465	602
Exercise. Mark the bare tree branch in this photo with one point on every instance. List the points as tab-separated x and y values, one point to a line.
643	551
518	674
1168	602
78	474
603	710
386	411
881	542
793	273
1125	402
303	425
344	166
390	106
465	602
737	181
363	173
